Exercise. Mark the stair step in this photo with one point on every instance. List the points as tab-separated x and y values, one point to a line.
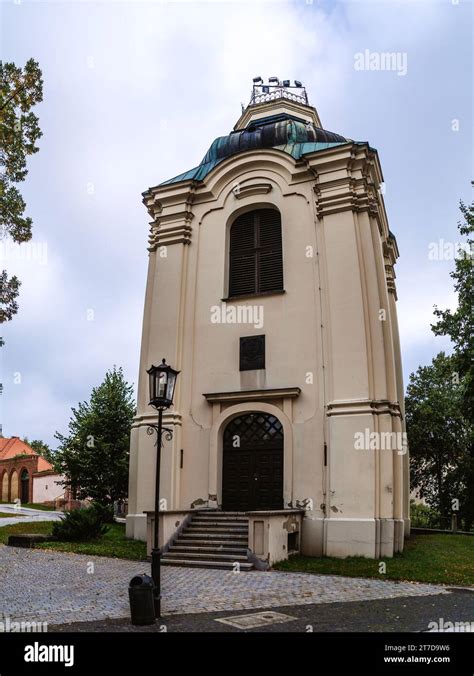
221	517
223	549
221	522
207	523
208	542
217	512
214	536
217	527
206	555
212	539
227	565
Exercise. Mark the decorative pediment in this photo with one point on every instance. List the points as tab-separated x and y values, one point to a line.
241	190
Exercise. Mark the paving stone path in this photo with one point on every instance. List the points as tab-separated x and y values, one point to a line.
59	588
25	515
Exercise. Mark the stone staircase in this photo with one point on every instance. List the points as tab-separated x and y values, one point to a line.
212	539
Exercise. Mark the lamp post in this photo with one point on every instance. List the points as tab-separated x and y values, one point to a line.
162	381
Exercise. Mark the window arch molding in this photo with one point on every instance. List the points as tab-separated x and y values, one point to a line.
254	251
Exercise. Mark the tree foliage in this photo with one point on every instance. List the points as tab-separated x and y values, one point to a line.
438	434
459	324
20	90
41	448
94	454
440	399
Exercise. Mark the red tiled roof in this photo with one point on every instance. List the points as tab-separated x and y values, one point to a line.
43	465
13	446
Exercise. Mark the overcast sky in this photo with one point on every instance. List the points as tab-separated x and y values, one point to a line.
134	93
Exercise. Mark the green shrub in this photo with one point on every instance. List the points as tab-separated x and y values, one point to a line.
80	525
423	516
106	512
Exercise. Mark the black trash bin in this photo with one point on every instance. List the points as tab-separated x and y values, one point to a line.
140	593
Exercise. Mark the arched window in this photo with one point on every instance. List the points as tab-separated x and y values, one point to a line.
256	258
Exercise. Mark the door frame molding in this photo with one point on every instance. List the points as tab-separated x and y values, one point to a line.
216	445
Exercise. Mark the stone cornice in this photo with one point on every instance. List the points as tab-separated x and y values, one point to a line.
253	395
390	279
390	253
345	194
349	178
172	216
363	406
172	229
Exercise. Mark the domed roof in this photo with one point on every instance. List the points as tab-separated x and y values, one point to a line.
282	132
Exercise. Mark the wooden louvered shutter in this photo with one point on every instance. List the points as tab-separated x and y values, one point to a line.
256	262
270	257
242	279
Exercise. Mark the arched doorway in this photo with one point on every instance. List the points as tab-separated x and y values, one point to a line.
5	487
13	485
25	486
252	469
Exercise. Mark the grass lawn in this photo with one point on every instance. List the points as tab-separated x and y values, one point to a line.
443	559
8	515
113	543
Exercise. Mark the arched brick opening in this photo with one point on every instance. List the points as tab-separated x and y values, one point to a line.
14	485
24	486
4	487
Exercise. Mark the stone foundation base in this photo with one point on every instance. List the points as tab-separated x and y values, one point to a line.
135	527
312	536
373	538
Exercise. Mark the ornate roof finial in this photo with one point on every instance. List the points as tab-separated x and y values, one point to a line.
277	89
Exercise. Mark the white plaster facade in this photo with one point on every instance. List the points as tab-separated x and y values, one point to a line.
333	364
47	487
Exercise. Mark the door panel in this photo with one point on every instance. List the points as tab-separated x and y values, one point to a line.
252	476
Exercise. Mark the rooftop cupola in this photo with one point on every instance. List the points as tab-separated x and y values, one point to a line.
278	117
278	97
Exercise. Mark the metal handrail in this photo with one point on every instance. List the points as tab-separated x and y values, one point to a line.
263	93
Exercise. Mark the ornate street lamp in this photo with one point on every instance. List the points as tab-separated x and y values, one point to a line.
162	381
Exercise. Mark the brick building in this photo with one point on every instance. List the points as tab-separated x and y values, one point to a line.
26	475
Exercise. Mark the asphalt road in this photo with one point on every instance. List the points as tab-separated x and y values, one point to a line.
403	614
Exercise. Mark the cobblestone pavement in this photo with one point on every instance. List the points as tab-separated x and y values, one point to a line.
58	588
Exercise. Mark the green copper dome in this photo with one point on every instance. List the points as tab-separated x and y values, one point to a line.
282	132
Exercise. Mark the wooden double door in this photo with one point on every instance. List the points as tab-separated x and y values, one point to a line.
252	472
